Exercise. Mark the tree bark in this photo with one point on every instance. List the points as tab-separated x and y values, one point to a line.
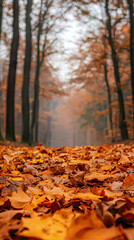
39	62
35	112
48	134
122	121
10	124
1	17
44	9
131	17
109	100
26	75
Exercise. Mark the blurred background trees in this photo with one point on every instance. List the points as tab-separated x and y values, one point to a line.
67	71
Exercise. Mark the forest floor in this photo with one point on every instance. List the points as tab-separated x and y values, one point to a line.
67	193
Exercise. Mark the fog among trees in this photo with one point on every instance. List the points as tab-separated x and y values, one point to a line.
66	71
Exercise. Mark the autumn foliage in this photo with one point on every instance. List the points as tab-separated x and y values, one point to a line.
67	193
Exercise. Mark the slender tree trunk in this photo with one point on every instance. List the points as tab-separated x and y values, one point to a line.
39	62
48	133
47	139
26	75
37	123
1	137
109	100
1	17
35	112
36	105
131	17
34	129
10	124
122	121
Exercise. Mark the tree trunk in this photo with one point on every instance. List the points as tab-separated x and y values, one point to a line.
122	121
1	17
131	16
26	75
35	112
40	59
34	130
109	100
47	139
10	124
36	104
39	62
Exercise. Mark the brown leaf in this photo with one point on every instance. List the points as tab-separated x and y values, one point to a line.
20	200
98	176
128	233
82	224
128	185
7	215
96	234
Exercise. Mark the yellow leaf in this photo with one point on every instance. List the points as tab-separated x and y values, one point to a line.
107	167
48	228
78	161
16	179
87	196
36	160
64	176
15	173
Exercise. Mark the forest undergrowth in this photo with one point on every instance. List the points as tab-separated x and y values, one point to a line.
67	193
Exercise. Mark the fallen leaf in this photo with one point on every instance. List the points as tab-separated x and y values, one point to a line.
20	200
128	233
128	185
49	227
87	196
97	234
98	176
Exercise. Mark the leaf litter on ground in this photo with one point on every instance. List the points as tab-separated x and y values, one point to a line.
67	193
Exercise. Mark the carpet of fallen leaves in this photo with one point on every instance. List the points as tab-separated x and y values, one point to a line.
67	193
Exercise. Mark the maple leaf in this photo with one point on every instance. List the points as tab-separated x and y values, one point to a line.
128	184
